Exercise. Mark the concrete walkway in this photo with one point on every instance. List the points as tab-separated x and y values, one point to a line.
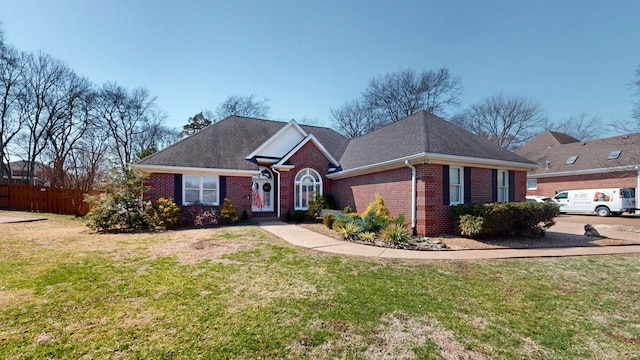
299	236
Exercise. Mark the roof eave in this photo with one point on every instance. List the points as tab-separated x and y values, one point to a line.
584	172
188	170
431	158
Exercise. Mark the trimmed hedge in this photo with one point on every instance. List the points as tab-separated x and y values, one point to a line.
500	219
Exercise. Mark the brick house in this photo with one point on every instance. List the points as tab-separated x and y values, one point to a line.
420	165
565	163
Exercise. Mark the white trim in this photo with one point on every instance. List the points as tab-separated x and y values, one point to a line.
461	185
431	158
201	190
585	172
413	196
298	196
304	142
262	146
194	170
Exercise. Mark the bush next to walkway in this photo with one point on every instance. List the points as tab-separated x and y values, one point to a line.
499	219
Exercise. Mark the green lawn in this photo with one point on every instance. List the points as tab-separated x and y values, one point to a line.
239	293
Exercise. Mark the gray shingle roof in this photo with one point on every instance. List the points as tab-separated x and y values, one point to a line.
590	154
225	144
419	133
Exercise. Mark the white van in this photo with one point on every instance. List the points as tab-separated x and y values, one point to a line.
603	202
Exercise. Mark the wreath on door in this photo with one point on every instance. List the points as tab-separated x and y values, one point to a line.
266	187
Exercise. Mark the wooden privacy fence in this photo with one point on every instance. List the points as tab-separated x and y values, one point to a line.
43	199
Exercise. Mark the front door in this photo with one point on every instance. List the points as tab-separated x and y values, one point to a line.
262	190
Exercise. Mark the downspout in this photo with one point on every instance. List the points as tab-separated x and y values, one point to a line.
637	190
413	197
279	187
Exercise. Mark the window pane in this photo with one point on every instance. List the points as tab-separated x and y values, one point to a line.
209	196
192	182
209	182
454	176
191	196
532	184
298	196
454	194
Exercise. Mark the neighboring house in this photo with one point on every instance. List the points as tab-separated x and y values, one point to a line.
566	163
20	173
420	165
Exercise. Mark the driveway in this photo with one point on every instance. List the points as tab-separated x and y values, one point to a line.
627	219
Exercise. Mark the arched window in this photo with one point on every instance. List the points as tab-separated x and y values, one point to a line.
308	182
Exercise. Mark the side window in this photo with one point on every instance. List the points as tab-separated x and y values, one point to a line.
456	185
561	196
503	186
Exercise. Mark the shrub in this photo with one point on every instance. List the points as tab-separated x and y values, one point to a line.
378	207
121	207
395	234
200	215
347	210
245	216
288	217
316	205
499	219
349	231
298	216
367	236
166	213
328	220
372	222
228	211
330	201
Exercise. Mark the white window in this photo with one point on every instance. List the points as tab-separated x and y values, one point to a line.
456	185
532	184
200	189
503	186
307	183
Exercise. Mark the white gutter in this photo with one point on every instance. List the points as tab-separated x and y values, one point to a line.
584	172
429	158
413	197
273	168
193	170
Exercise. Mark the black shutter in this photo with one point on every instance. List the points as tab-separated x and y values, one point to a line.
445	185
467	185
494	185
223	188
177	189
512	185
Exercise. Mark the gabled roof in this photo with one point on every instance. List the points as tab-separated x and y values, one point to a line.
548	139
588	156
227	143
421	134
235	143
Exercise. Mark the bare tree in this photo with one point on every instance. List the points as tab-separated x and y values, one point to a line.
127	116
78	115
582	127
12	86
42	104
356	118
506	121
403	93
247	106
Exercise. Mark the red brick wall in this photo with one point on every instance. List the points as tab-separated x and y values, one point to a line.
481	185
550	186
308	156
160	185
432	215
238	190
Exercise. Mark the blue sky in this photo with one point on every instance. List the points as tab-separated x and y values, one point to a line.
307	57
